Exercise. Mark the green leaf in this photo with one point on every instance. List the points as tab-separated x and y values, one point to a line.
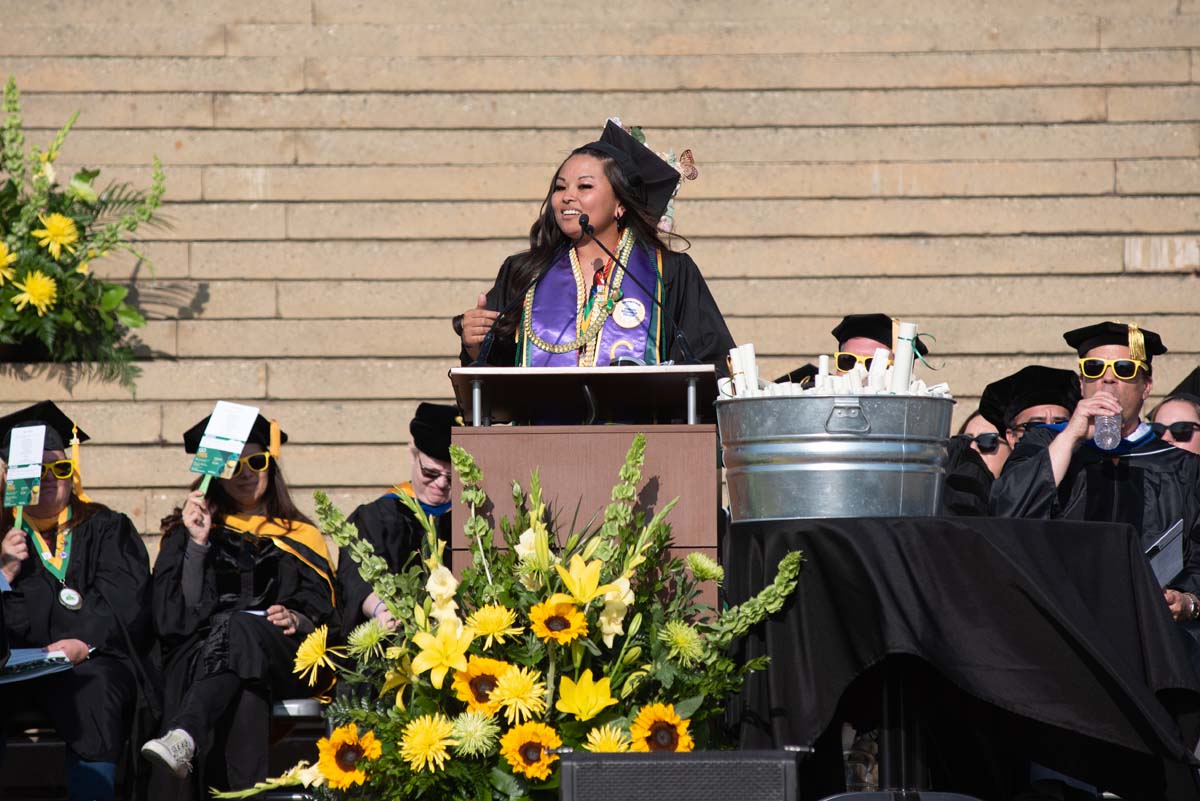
687	707
130	317
506	783
83	191
112	297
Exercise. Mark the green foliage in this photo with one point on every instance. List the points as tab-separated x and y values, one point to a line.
69	313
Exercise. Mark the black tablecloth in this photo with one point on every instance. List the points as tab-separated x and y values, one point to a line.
1054	633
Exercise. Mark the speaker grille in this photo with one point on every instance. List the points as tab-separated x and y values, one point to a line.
746	776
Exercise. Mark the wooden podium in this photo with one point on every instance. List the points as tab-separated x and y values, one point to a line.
575	425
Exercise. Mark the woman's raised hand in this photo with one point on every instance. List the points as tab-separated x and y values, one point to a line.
197	517
476	323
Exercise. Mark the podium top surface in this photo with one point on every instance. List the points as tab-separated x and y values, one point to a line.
649	394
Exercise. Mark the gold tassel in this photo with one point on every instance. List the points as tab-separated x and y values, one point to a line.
1137	343
76	476
895	334
275	444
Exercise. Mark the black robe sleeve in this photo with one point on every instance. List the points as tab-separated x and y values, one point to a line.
394	534
1026	485
174	620
688	302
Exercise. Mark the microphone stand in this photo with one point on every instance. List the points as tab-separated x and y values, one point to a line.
679	338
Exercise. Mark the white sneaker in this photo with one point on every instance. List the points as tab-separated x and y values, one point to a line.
173	750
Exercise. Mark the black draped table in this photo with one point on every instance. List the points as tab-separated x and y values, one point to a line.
1022	640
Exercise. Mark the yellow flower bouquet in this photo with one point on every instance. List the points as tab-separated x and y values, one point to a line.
594	640
50	235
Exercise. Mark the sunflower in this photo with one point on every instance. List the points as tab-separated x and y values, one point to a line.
658	728
314	654
476	684
607	739
59	233
521	693
425	741
494	621
560	622
342	753
527	749
7	259
39	290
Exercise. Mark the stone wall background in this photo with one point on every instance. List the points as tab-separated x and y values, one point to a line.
345	175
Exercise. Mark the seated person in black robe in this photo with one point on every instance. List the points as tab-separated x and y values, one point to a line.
1177	417
80	581
1056	471
1031	397
241	578
389	526
860	335
583	309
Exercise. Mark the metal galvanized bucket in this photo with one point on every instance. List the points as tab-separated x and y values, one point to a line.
834	456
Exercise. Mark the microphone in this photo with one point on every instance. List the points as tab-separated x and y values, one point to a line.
679	337
485	347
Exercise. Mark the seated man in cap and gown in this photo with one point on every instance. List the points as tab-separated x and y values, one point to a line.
576	306
1031	397
1177	417
390	526
1057	471
80	578
241	578
860	335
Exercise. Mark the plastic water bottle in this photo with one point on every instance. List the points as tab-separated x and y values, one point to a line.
1107	435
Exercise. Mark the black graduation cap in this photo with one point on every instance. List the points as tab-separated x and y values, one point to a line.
430	429
260	433
1143	345
802	375
653	180
872	326
1188	388
1034	385
58	426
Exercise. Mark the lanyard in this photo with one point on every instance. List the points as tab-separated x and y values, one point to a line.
58	560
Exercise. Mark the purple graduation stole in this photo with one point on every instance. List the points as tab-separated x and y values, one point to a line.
631	328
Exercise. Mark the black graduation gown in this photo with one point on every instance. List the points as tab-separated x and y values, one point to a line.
241	572
686	298
1151	487
92	706
395	535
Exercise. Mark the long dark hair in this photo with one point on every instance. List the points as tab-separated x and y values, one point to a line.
279	505
547	241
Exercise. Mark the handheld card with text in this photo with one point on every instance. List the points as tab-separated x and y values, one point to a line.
223	440
24	479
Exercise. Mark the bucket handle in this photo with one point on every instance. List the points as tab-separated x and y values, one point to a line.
847	417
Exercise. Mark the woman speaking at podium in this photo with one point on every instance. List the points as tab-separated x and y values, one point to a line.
566	302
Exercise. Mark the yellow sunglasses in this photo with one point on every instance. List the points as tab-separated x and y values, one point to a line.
255	462
846	361
62	469
1124	369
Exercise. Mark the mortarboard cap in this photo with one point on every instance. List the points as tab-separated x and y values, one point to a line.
1034	385
652	179
872	326
430	429
802	375
260	433
58	426
1143	345
1188	388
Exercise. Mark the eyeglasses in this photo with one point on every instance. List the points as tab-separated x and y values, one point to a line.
1124	369
1180	432
62	469
1023	428
846	361
256	462
430	474
988	443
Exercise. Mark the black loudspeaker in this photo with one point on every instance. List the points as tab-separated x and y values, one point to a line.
696	776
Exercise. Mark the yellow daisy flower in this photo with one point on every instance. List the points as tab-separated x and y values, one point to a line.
59	233
582	579
342	754
494	621
7	259
425	742
520	693
560	622
658	728
527	749
39	290
607	739
585	698
440	653
314	654
476	684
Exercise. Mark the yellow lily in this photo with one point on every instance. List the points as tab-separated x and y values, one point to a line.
585	698
443	652
582	580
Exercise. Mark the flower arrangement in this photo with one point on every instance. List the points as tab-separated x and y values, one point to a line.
49	237
597	640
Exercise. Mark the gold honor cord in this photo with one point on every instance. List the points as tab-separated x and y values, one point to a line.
600	311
